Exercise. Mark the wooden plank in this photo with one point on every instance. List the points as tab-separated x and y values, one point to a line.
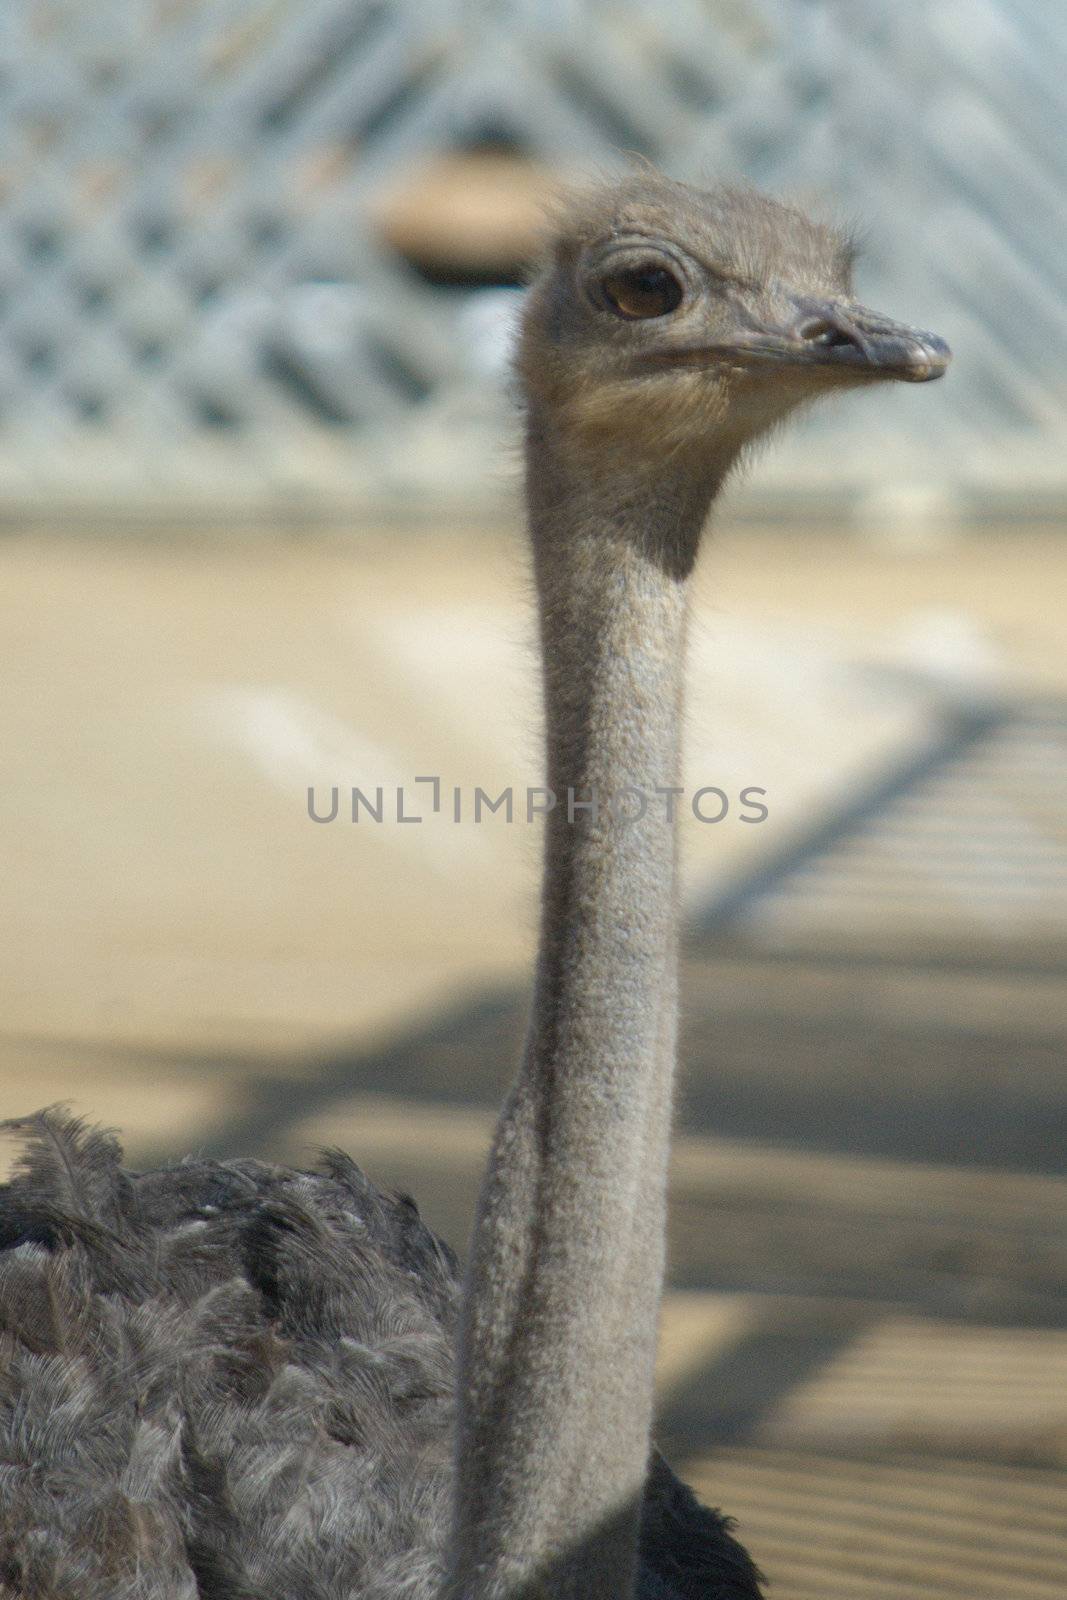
977	1244
907	1530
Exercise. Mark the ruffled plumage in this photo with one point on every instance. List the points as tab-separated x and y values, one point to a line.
233	1381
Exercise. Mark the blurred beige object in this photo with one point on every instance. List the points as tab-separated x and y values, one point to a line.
476	211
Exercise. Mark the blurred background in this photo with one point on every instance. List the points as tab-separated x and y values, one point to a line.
259	263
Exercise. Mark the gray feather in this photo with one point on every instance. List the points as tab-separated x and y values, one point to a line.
232	1381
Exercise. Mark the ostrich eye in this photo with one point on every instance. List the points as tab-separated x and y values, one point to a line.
649	291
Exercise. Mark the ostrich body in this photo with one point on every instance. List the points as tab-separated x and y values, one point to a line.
231	1380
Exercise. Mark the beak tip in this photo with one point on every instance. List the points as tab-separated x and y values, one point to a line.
847	336
927	358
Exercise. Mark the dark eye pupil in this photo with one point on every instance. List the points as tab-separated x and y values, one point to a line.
643	292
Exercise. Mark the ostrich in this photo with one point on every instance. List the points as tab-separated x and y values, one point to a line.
233	1380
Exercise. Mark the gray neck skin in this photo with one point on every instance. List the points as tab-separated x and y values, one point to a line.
562	1299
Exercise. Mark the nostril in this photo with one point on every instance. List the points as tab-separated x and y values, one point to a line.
827	335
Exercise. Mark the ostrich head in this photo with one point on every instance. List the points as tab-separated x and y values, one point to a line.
673	323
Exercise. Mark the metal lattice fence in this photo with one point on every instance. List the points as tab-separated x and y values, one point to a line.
196	301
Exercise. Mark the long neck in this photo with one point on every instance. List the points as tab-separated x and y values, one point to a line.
562	1299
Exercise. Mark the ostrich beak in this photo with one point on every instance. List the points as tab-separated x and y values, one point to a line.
832	333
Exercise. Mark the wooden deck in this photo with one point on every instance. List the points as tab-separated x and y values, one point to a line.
864	1352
